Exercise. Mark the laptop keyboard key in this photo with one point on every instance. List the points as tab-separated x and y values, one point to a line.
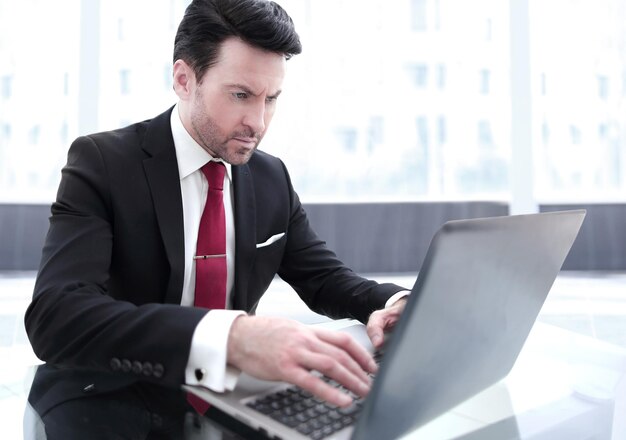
304	428
317	435
350	410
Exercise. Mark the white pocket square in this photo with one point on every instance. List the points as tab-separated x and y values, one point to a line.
270	240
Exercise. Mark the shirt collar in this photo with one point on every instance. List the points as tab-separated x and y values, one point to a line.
189	154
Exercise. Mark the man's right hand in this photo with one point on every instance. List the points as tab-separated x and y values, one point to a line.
272	348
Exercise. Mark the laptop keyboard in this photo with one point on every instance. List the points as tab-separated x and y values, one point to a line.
308	415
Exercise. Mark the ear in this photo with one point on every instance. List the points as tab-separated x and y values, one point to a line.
184	80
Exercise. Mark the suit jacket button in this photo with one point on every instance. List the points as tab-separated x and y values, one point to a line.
115	364
137	367
89	388
126	365
147	369
158	371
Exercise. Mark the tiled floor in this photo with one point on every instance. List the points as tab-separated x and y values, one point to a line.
593	304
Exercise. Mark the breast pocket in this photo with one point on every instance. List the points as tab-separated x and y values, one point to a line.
271	241
269	255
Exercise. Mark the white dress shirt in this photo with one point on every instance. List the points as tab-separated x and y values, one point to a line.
208	345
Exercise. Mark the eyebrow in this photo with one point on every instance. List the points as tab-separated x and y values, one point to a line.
250	92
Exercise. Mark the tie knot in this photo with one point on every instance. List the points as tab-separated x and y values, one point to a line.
214	172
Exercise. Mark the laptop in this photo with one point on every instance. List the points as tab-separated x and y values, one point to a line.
475	300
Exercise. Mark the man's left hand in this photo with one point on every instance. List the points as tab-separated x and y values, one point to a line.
384	320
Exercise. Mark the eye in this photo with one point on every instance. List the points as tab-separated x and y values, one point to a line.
240	95
271	99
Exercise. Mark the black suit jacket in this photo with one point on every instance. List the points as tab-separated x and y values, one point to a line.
106	307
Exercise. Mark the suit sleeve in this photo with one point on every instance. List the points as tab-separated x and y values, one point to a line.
74	319
323	282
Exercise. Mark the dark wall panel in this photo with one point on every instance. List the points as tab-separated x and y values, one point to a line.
22	232
601	243
389	237
369	237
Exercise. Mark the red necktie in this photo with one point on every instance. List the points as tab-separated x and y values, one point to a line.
211	253
211	246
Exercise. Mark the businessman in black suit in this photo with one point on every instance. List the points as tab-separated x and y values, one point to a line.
112	312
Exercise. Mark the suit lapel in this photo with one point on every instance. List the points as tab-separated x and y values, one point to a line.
245	233
161	170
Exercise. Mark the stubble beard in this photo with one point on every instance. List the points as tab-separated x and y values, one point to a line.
212	139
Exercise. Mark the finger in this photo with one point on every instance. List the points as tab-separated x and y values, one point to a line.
315	385
353	349
375	329
340	353
349	364
334	370
384	320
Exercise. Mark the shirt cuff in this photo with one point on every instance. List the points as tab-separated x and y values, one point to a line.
207	365
397	296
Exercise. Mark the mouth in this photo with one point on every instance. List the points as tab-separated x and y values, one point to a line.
246	142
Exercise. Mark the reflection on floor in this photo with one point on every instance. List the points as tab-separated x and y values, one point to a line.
590	303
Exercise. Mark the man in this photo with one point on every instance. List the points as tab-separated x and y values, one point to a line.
122	255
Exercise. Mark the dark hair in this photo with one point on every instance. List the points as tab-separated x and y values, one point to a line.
207	23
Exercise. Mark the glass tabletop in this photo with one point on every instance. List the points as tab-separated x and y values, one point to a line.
596	302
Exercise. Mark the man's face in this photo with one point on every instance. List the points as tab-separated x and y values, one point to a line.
229	112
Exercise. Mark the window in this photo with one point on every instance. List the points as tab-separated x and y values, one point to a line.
66	84
6	84
429	94
418	15
484	81
485	138
545	132
124	82
603	87
376	134
441	76
575	134
36	95
64	133
422	132
580	160
121	29
167	75
347	137
422	156
441	129
34	134
419	75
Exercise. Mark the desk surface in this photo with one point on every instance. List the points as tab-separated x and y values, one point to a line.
564	385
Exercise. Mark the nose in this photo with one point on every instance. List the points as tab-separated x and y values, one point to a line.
255	118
